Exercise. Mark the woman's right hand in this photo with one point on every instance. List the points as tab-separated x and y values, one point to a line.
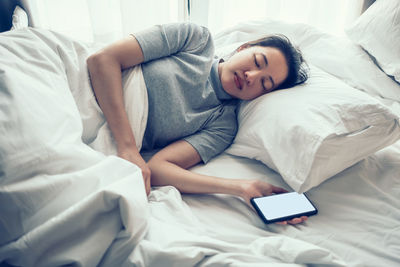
257	188
135	157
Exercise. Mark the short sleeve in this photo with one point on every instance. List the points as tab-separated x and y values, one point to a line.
217	135
168	39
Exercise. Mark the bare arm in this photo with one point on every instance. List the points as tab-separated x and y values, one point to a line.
105	68
169	167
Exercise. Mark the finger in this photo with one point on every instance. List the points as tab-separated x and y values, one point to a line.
295	221
148	184
278	190
148	187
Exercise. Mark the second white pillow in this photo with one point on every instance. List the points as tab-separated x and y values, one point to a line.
378	32
313	131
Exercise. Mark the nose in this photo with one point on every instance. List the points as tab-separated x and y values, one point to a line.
252	76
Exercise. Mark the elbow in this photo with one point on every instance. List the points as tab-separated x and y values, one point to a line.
100	62
155	162
94	62
90	61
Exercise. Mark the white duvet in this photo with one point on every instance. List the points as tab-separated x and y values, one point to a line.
62	202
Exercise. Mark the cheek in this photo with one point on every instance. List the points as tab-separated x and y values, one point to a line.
225	81
251	95
258	93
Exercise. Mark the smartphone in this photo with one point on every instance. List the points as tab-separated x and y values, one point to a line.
282	207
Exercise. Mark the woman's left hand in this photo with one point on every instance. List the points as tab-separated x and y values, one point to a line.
256	188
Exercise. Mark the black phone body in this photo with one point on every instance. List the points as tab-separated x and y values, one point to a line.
282	207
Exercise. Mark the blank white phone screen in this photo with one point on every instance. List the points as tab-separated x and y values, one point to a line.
282	205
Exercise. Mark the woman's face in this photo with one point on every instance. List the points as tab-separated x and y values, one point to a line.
253	71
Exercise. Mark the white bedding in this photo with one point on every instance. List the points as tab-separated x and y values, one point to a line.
359	209
68	204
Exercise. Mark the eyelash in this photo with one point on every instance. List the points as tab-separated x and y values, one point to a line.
262	84
258	66
255	62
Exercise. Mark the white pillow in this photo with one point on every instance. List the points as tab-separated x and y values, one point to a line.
322	50
378	32
313	131
19	19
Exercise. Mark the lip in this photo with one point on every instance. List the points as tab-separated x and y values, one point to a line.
238	81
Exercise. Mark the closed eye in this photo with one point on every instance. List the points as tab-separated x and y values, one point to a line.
255	61
262	84
272	82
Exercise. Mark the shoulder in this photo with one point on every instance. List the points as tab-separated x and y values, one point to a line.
187	27
189	37
194	35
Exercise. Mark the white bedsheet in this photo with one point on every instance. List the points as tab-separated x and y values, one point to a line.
359	209
177	236
80	207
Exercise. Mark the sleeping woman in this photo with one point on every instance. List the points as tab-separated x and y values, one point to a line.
192	100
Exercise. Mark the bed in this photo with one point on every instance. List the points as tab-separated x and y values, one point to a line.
336	138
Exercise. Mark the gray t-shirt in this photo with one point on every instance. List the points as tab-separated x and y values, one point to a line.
186	99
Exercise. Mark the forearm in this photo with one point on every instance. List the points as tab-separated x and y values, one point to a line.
167	173
170	166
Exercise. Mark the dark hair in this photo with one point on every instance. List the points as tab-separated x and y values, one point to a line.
298	70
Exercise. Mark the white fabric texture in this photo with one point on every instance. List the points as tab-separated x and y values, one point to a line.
311	163
313	131
378	32
179	237
61	198
96	132
357	219
338	56
19	19
58	196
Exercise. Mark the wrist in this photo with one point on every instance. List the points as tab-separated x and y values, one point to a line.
234	187
127	146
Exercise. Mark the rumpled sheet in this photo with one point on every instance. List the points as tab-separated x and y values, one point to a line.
63	203
176	237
